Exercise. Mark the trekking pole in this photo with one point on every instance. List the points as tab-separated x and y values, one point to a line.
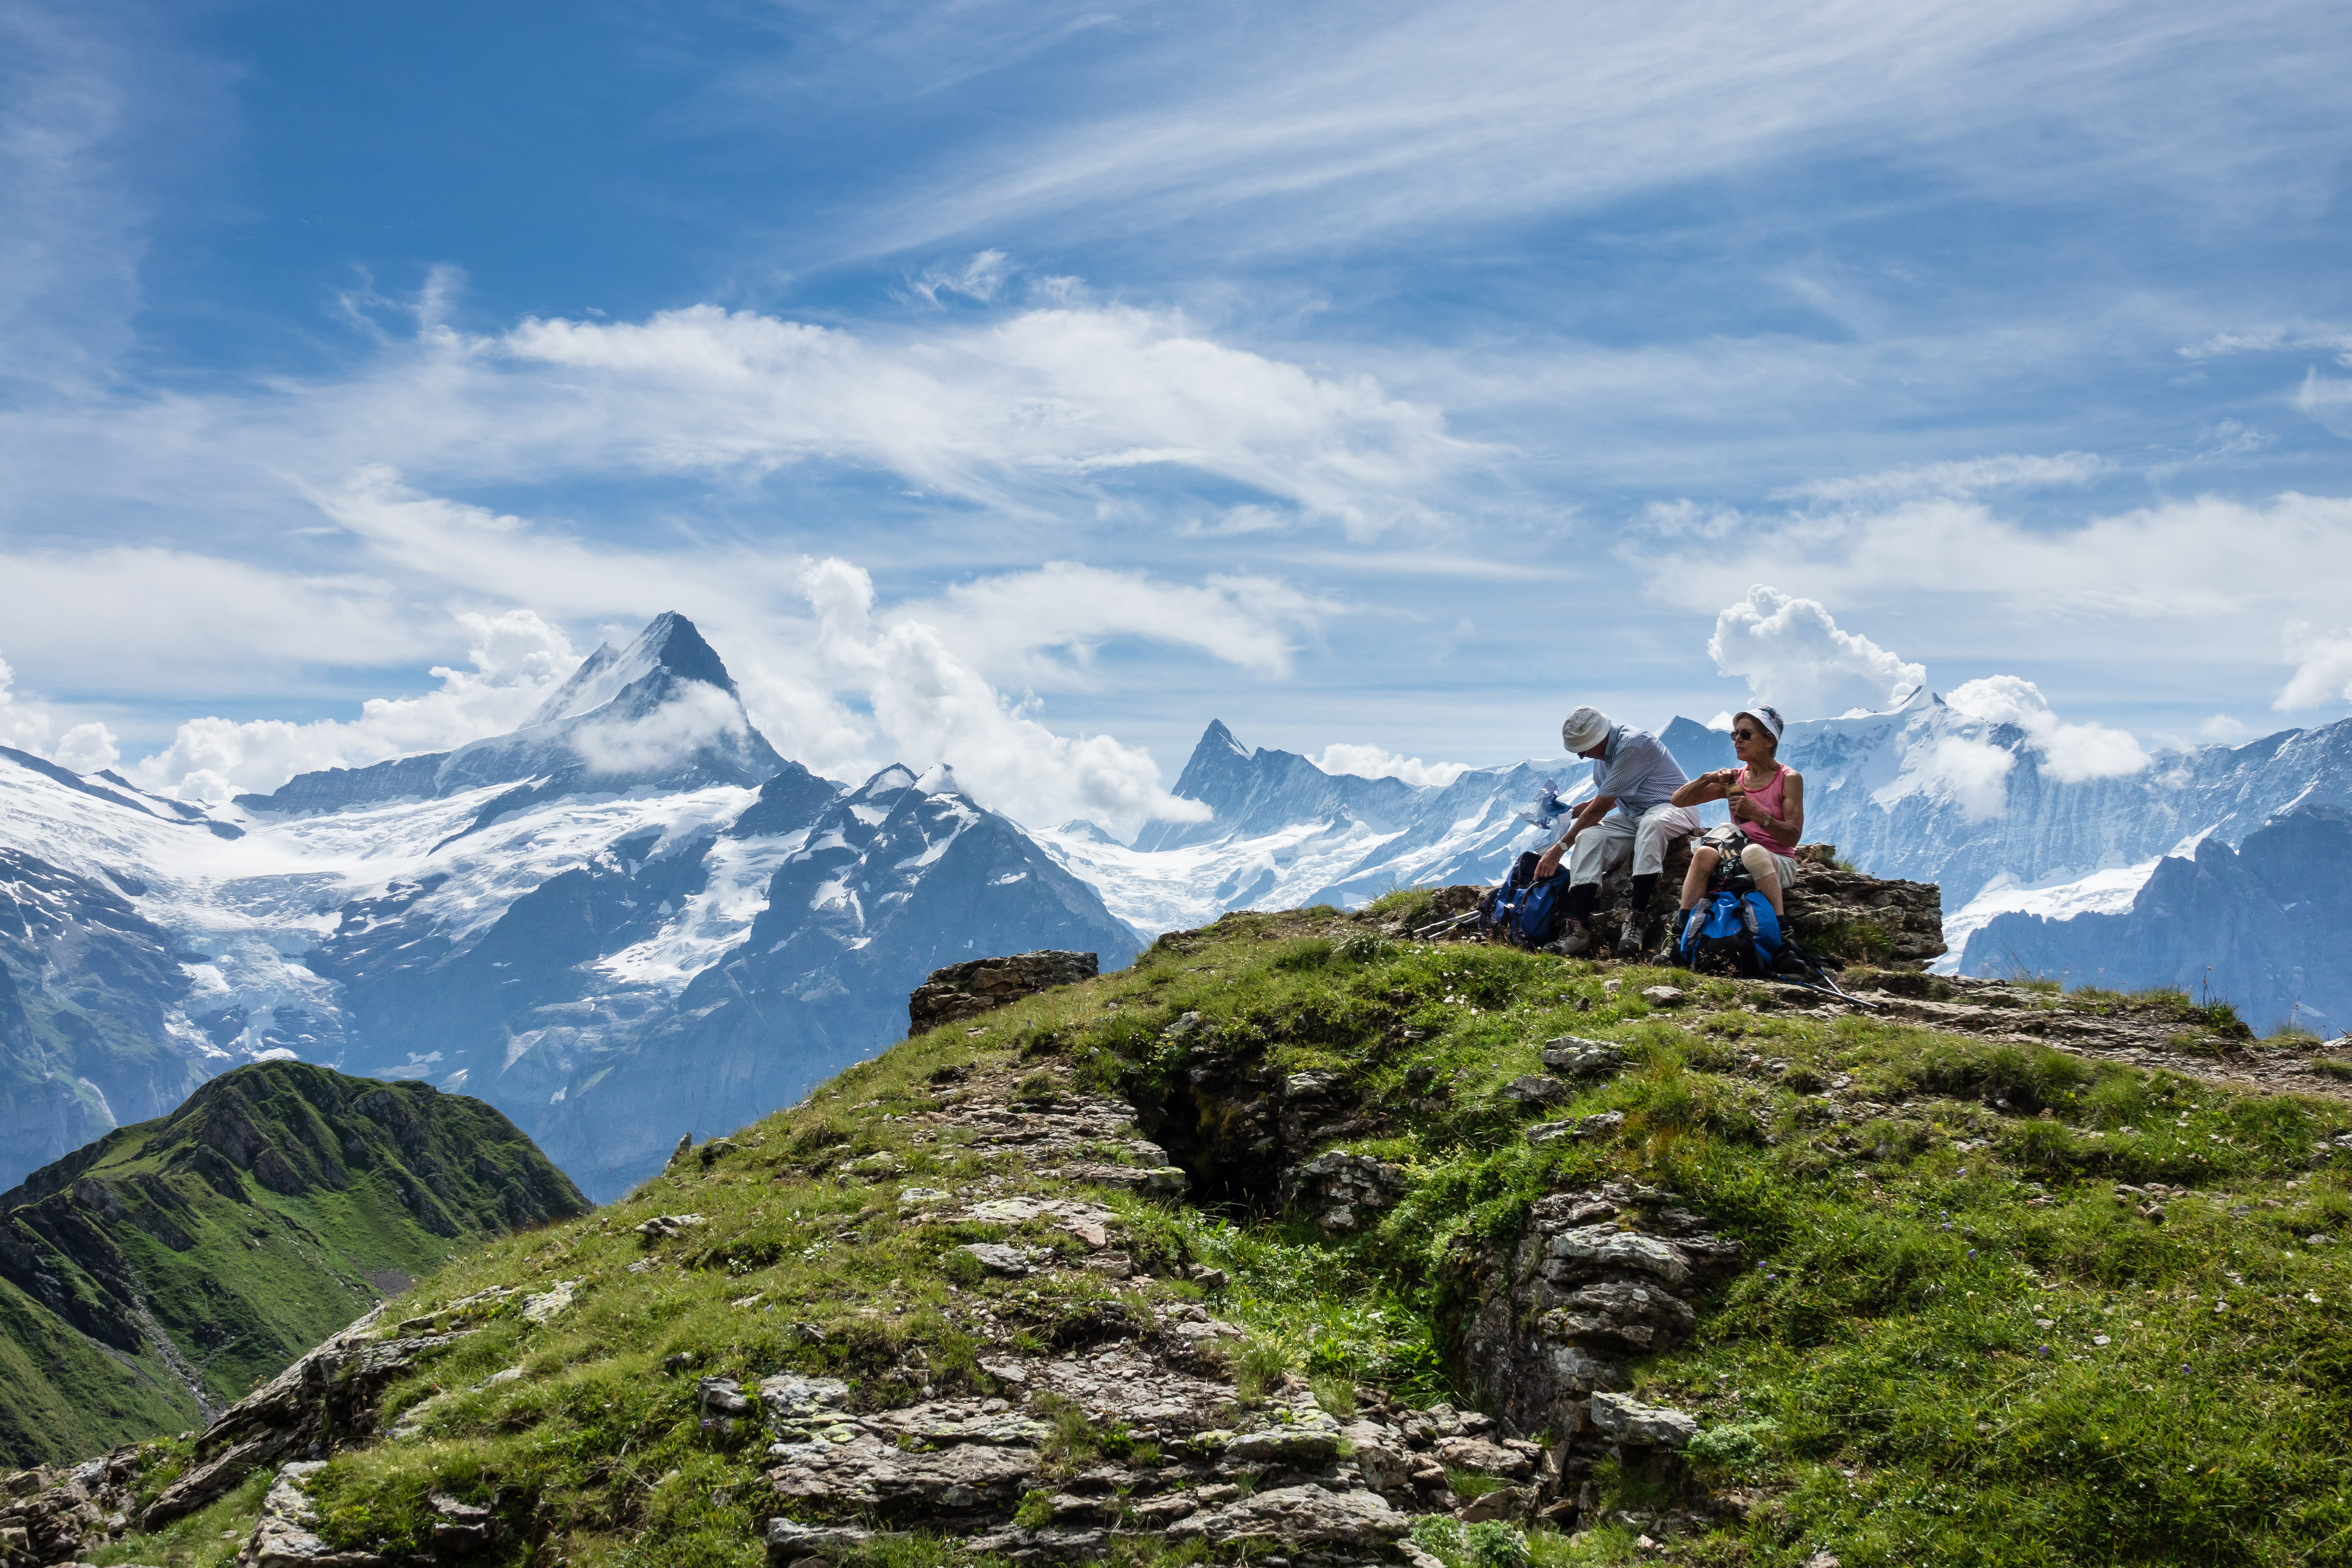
1446	924
1832	987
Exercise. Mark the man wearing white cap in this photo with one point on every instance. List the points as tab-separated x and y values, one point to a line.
1632	814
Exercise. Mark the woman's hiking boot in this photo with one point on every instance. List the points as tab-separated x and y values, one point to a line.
1629	939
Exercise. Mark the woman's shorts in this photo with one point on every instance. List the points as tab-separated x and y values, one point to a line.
1784	869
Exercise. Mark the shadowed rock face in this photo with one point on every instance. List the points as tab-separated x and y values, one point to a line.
1600	1276
2261	926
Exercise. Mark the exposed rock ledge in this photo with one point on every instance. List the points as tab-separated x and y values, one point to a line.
964	990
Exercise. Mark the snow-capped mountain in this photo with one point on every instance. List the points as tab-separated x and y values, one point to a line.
626	920
2261	925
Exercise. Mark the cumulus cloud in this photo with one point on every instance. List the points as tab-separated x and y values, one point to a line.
1969	476
1793	655
27	726
1377	763
2071	752
1974	774
2323	672
696	715
517	659
929	706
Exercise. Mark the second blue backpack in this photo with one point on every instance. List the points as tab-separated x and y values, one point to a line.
1731	933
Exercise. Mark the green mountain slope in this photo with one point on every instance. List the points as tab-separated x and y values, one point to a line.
1469	1254
151	1279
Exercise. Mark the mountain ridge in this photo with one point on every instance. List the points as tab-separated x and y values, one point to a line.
149	1278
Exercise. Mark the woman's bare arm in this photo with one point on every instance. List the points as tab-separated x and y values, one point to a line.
1705	787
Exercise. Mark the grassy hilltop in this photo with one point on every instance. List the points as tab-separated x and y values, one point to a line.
154	1276
1997	1303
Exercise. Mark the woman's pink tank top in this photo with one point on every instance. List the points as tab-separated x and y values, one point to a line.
1768	801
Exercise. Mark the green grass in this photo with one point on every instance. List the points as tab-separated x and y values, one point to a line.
243	1273
1877	1379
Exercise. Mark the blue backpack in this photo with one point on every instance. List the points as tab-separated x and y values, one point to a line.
1732	932
1524	910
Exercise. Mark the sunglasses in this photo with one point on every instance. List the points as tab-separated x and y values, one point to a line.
1746	734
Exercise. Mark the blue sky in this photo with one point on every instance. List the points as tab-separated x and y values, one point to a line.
1028	384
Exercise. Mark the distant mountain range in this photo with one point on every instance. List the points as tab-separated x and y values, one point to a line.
628	921
1922	791
632	919
149	1279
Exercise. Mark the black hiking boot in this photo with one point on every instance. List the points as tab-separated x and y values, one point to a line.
1574	940
1629	940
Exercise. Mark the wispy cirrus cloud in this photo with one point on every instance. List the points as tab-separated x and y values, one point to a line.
1415	115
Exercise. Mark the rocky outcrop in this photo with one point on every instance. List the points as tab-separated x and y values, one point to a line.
1600	1276
322	1402
60	1515
966	990
1835	914
1345	1192
1848	915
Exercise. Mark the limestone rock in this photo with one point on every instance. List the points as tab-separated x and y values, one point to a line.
1536	1089
1582	1058
1345	1192
285	1539
322	1402
789	1541
1301	1515
870	1473
663	1226
965	989
1634	1423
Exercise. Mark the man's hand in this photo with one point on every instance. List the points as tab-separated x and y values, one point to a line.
1551	861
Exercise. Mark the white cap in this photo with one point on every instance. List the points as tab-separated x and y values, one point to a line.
1767	716
1584	728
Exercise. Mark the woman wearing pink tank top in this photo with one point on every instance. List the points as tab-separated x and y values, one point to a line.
1767	804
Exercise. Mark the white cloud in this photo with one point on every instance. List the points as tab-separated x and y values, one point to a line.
2322	673
2326	400
978	278
2222	727
2169	566
1376	762
2071	752
1009	623
929	706
1792	654
2269	340
1414	118
1965	478
1041	403
27	725
1973	774
517	660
